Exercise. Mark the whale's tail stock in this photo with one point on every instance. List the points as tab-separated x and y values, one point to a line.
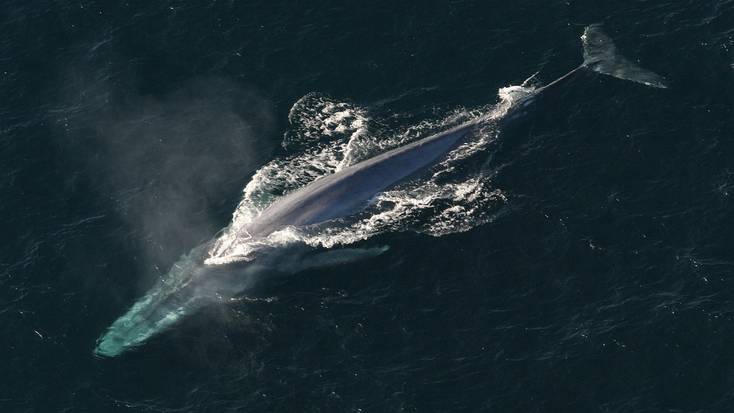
601	55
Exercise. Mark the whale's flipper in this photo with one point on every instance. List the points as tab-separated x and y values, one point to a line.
601	55
340	257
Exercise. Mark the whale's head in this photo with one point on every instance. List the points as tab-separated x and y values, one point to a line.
192	284
188	286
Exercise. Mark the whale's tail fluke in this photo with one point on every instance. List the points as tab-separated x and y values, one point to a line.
601	55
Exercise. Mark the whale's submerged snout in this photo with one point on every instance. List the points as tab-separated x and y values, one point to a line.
147	317
189	285
165	304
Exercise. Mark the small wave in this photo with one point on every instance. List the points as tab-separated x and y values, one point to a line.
316	120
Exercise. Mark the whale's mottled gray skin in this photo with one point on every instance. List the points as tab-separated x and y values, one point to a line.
349	190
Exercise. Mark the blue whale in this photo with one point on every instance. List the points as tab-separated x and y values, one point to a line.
347	191
191	283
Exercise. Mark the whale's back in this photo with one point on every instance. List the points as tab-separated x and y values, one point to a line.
348	191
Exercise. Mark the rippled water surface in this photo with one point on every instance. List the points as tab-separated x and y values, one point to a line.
578	259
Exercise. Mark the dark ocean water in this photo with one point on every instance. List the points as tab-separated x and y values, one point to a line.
604	282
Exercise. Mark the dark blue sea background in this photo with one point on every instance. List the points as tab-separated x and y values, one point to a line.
604	282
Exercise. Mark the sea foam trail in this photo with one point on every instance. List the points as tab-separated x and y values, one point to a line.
326	136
